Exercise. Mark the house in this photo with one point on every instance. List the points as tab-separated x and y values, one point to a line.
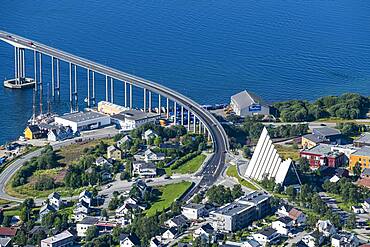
284	210
282	225
193	211
344	239
101	161
45	209
129	241
62	239
55	200
246	104
132	119
322	155
84	224
5	242
170	233
331	134
267	235
358	209
313	239
365	173
155	242
106	176
245	243
152	156
205	232
124	140
8	232
149	134
114	153
178	221
310	140
82	207
366	205
363	140
85	196
298	217
60	133
261	202
325	227
105	227
33	132
360	156
144	169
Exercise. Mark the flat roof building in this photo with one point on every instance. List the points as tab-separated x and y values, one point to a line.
62	239
131	119
361	156
80	121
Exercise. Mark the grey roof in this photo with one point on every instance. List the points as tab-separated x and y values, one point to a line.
367	200
314	138
244	99
89	220
366	172
47	207
5	241
134	115
208	228
321	149
193	206
145	165
82	116
267	231
364	138
55	195
135	240
363	151
326	131
233	209
285	220
255	197
179	220
56	238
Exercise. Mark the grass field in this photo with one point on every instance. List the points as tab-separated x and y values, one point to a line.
169	193
232	172
189	167
341	120
287	152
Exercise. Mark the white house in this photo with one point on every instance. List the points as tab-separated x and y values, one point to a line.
85	196
178	221
132	119
55	200
152	156
282	225
205	232
366	205
344	239
298	217
266	235
144	169
358	209
193	211
83	225
325	227
170	233
101	161
62	239
246	104
312	238
45	209
149	134
155	242
129	241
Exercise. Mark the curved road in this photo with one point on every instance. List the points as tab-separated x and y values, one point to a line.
214	165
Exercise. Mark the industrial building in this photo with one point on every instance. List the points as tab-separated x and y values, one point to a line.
131	119
109	108
361	156
80	121
248	104
266	162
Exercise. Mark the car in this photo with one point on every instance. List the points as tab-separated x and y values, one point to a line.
148	180
108	186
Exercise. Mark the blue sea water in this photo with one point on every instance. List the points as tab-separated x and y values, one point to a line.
207	50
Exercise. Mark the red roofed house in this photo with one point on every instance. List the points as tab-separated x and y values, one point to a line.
8	232
297	216
323	155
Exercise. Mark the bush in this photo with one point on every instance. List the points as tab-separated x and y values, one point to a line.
44	183
184	159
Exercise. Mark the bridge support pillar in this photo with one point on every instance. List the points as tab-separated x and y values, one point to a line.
88	88
144	96
175	113
168	108
93	89
188	120
52	77
40	75
70	87
58	78
182	115
35	68
76	89
150	101
130	96
106	88
19	66
159	105
194	124
111	90
125	92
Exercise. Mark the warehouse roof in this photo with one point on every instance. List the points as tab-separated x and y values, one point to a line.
314	138
58	237
326	131
135	115
233	209
245	99
364	138
82	116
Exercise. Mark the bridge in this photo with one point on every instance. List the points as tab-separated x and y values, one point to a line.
203	120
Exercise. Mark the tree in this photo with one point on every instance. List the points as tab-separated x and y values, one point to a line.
237	191
157	141
291	192
357	169
91	233
303	164
351	221
247	153
104	213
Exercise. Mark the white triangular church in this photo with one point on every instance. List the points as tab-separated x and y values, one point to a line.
266	162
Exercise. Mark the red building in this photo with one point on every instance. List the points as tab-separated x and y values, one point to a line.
323	155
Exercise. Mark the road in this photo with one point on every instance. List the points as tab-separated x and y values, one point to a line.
214	165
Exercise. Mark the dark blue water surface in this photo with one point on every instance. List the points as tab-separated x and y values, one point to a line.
207	50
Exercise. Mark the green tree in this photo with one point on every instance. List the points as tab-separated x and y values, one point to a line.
91	233
357	169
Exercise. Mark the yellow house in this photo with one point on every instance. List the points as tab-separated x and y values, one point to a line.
114	153
32	132
361	156
310	140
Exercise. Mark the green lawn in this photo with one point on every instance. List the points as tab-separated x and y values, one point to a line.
190	166
169	193
344	205
232	172
287	152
